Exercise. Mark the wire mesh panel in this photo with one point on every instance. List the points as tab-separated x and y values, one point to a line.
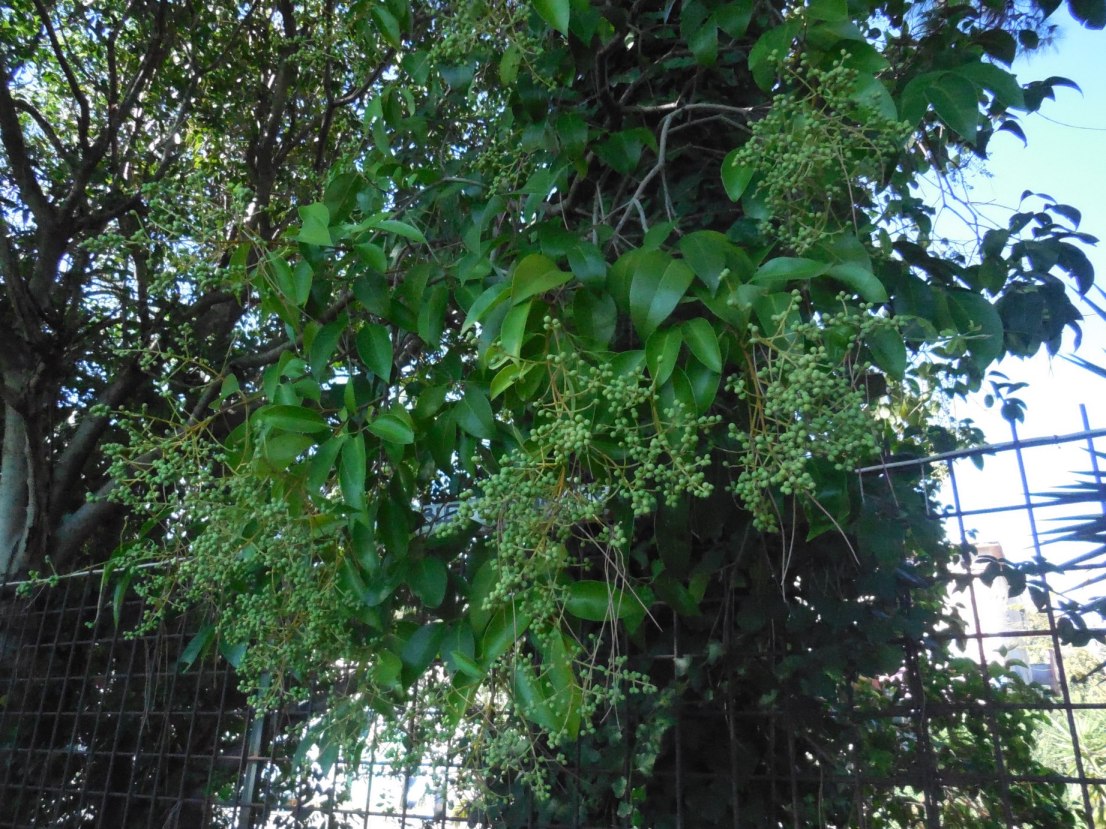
1022	591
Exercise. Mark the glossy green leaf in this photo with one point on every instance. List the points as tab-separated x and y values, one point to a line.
588	264
428	580
980	321
196	646
314	227
432	311
661	353
324	344
512	332
956	102
776	273
292	419
282	448
421	647
701	338
484	303
861	280
735	176
374	346
554	12
404	229
888	351
393	429
655	293
474	414
535	275
504	628
594	316
351	471
597	601
531	696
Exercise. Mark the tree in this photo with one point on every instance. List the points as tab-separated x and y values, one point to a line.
577	352
148	148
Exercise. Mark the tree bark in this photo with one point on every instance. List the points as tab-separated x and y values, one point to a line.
17	494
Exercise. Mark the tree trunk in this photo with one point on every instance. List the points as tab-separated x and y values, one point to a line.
17	494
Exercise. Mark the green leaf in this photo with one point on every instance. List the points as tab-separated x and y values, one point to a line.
484	303
703	43
735	177
314	225
733	18
393	429
776	273
422	646
509	63
505	378
595	316
703	342
773	47
407	231
474	414
288	418
831	11
555	13
654	294
598	601
432	310
1002	84
374	345
888	351
284	447
861	280
324	343
233	652
351	471
588	264
706	252
504	628
530	696
196	646
661	353
956	102
535	275
512	332
1091	13
387	25
704	386
428	580
980	321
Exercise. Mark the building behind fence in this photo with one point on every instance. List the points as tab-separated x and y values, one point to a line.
98	728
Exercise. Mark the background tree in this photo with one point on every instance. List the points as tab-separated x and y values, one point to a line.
148	147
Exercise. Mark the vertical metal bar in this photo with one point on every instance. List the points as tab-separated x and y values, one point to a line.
252	748
677	731
1050	614
992	725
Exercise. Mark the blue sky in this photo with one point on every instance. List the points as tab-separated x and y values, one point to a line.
1065	158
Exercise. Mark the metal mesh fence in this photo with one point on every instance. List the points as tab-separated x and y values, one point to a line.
100	728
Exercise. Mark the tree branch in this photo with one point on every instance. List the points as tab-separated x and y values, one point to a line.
19	159
67	70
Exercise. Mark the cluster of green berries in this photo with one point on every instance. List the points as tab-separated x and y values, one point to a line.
815	151
806	401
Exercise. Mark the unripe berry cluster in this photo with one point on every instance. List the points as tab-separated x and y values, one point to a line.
817	152
806	401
